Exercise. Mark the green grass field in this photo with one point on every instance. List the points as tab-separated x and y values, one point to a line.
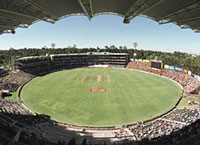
131	96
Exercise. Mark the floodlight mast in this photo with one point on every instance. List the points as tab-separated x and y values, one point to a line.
135	44
53	45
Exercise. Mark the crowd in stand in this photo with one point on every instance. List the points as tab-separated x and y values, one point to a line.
172	128
15	121
186	116
188	135
15	110
121	134
16	136
3	72
12	107
156	129
12	80
19	126
189	84
167	124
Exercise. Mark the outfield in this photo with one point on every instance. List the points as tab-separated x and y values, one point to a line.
130	96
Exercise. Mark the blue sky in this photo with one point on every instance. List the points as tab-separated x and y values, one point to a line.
104	30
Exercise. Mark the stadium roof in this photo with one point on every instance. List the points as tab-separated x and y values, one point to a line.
71	54
90	53
22	13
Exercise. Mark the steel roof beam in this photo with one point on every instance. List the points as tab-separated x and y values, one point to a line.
7	26
144	7
91	8
196	26
148	6
128	12
34	18
196	30
190	19
23	26
9	18
27	5
167	16
6	31
130	9
10	26
50	14
184	27
87	8
20	12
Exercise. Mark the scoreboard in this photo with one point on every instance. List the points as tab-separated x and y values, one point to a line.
156	64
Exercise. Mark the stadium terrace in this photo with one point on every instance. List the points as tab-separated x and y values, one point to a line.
163	128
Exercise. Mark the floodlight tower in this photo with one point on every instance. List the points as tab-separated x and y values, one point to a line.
135	44
53	45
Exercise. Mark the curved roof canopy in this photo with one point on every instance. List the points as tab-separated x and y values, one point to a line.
22	13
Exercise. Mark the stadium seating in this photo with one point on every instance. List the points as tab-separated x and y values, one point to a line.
189	84
44	64
12	80
19	126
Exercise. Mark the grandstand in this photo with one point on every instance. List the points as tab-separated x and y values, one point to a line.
33	64
59	61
